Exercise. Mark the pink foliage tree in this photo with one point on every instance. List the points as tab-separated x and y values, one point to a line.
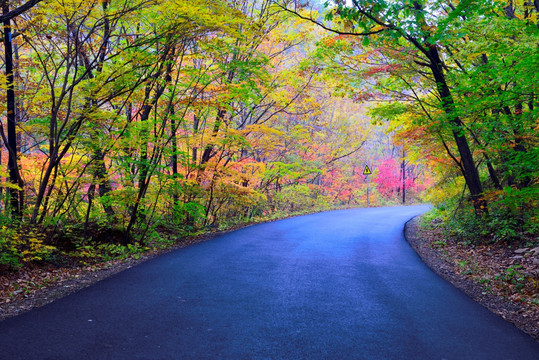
388	178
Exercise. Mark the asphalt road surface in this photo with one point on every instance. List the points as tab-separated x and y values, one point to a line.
336	285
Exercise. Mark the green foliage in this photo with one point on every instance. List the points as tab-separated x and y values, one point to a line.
440	244
299	197
109	252
20	245
186	217
202	120
512	217
435	217
513	276
10	256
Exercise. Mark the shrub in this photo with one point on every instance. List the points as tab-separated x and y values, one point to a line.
22	245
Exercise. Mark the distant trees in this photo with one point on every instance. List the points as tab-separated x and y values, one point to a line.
451	58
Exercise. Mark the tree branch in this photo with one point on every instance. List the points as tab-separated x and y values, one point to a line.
328	28
21	9
347	154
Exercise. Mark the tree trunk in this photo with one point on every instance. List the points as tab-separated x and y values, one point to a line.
403	177
100	174
144	167
221	113
174	142
13	168
207	154
471	174
194	150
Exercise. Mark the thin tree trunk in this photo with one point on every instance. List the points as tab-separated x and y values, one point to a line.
104	187
194	150
45	197
403	177
91	193
174	141
144	169
12	146
221	113
101	169
207	154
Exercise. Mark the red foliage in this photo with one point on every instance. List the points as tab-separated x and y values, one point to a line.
389	178
384	69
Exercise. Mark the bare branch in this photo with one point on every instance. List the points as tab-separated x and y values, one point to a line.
347	154
21	9
328	28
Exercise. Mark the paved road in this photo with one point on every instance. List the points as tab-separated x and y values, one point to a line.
336	285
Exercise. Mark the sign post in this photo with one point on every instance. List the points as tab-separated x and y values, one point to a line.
367	172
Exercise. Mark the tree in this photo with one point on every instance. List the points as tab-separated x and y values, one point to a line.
16	190
397	22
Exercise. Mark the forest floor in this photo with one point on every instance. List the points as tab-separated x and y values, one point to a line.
504	280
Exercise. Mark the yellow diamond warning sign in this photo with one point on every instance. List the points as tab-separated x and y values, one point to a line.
367	171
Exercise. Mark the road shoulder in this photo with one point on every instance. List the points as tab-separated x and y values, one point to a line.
524	316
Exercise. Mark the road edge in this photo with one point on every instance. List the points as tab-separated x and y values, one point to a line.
505	309
86	278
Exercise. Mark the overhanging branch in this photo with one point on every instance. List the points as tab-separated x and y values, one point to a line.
374	32
21	9
347	154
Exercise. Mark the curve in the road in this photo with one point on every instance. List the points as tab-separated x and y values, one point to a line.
335	285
